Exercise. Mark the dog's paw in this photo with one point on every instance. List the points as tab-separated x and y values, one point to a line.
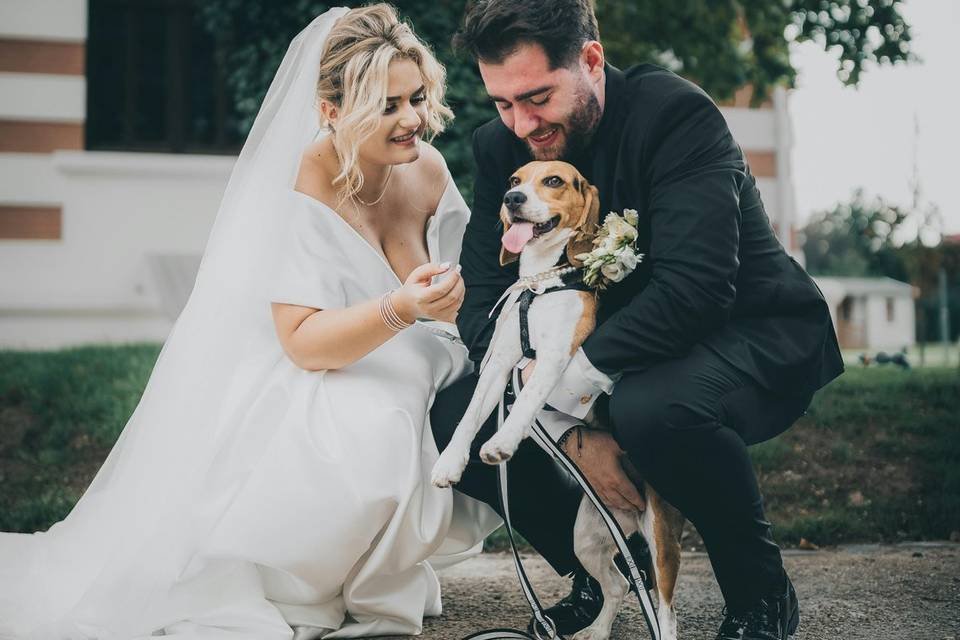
592	633
448	468
498	449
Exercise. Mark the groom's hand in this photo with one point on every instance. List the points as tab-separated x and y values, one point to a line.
599	460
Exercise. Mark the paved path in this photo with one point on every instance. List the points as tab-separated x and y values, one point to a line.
868	592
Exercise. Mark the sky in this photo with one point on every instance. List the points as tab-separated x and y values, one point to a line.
845	138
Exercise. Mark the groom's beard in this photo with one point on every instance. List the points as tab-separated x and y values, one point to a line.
577	132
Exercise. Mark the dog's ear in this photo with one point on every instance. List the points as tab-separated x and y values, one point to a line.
506	257
582	240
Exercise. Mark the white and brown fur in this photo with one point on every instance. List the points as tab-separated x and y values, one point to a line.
559	322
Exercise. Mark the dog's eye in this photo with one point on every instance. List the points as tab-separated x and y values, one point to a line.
513	181
553	181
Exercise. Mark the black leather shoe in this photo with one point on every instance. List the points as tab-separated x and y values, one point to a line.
775	617
578	609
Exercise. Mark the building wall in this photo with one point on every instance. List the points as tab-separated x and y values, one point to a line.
884	333
765	134
84	236
82	233
851	326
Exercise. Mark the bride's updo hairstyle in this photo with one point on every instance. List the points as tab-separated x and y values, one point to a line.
353	76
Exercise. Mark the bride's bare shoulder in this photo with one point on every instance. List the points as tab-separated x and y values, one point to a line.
431	174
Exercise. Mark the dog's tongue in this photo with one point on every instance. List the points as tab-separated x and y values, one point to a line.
517	236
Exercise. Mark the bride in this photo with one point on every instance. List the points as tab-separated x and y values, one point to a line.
273	482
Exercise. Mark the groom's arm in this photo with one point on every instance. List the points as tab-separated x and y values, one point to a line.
483	276
694	169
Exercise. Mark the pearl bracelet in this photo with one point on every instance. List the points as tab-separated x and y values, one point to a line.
390	316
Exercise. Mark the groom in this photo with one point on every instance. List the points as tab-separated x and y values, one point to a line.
717	341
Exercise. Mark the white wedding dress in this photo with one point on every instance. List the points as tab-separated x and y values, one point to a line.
248	499
336	516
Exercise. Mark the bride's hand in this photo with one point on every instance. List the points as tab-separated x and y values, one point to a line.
417	298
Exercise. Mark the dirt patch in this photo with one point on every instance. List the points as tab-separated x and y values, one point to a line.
858	592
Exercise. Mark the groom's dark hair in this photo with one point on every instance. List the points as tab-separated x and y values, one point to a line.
494	29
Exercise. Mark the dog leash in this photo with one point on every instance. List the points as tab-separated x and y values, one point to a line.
635	577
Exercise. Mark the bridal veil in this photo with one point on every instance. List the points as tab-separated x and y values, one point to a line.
193	440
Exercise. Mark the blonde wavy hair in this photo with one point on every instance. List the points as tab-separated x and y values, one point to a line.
353	76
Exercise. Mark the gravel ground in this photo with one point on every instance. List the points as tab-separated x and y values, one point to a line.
906	591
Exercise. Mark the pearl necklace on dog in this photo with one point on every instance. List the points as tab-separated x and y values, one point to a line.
533	283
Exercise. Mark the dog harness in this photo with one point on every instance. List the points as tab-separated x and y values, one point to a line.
569	280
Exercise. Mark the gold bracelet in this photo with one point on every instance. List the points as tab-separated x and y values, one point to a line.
389	315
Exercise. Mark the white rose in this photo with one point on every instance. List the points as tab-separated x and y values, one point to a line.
628	258
630	215
617	225
613	272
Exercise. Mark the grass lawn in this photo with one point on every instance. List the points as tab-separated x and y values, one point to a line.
877	458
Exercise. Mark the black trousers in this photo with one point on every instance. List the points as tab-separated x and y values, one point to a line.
685	425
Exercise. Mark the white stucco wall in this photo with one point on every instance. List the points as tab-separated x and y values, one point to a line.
95	284
884	334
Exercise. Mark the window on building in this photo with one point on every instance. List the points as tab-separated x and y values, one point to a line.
154	82
846	309
890	308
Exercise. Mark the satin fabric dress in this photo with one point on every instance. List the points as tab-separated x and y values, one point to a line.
331	528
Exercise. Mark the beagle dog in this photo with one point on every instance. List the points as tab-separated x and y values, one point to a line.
550	215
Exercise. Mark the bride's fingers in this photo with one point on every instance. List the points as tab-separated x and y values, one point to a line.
441	306
447	305
426	271
458	290
436	292
455	294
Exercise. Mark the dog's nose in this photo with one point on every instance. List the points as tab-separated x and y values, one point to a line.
514	199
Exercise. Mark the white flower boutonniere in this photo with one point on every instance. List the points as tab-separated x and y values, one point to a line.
614	255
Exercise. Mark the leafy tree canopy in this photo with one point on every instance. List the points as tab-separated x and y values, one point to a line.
865	237
720	44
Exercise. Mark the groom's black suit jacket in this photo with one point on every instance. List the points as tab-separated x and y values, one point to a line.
714	271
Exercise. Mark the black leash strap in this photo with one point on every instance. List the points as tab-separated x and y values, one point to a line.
635	578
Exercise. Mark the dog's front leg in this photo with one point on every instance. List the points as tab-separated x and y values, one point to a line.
493	380
556	327
530	401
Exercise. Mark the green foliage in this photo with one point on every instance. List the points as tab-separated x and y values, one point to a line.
877	458
888	434
60	412
923	265
82	393
720	44
856	238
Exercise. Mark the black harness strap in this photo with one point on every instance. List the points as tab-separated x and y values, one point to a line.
572	280
526	297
